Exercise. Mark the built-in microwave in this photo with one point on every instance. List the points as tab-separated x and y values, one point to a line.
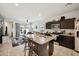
55	26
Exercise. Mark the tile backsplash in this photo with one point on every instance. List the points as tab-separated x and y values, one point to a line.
59	30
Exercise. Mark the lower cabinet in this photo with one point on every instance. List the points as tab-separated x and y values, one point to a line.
66	41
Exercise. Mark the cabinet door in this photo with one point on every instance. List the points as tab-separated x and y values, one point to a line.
62	25
67	24
68	42
48	25
70	24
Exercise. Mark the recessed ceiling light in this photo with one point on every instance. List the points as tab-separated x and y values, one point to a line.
16	4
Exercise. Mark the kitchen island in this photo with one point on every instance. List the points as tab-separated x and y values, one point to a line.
42	45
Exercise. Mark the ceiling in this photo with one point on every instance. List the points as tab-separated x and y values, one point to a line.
35	11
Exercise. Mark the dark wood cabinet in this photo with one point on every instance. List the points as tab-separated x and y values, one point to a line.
48	24
66	41
67	24
64	24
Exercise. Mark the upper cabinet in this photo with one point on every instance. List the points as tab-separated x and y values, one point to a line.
49	24
63	23
67	24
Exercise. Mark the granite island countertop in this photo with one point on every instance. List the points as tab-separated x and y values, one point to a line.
40	39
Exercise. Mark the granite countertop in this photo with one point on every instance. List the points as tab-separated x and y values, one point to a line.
40	39
67	34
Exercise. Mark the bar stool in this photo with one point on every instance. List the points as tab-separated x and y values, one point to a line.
26	47
31	45
33	48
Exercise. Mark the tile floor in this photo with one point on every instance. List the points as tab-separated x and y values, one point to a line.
6	49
